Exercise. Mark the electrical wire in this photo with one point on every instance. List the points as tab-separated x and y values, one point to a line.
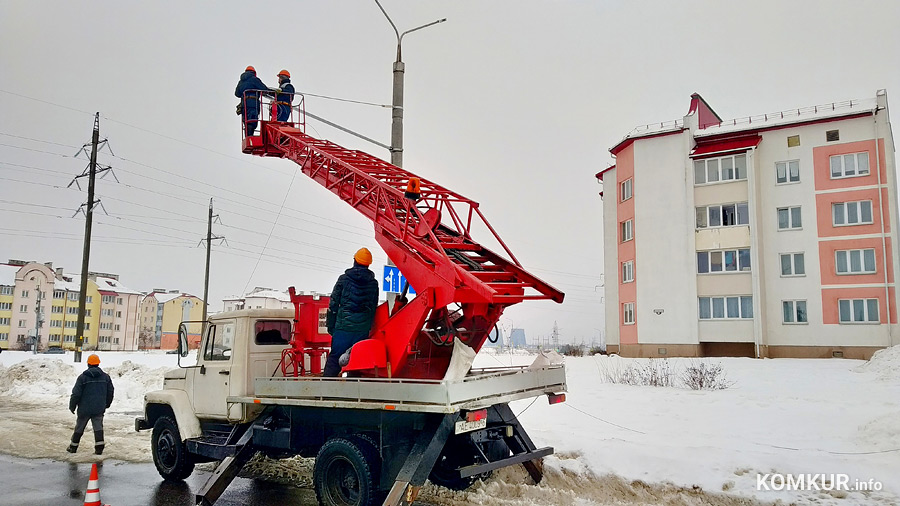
274	223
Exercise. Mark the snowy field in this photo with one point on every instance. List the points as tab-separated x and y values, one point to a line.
615	444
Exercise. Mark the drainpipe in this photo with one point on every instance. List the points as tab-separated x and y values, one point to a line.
884	256
756	265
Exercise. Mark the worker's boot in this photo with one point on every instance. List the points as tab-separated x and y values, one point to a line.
98	449
72	448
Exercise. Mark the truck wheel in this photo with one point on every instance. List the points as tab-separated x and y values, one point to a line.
169	452
344	474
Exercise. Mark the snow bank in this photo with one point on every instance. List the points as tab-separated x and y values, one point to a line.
885	364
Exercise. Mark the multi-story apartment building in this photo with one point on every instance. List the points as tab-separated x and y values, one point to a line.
118	325
767	236
258	298
62	321
161	313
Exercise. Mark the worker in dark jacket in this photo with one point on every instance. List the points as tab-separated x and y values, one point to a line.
92	395
250	101
351	310
285	95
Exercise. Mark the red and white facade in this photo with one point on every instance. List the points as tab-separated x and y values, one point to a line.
768	236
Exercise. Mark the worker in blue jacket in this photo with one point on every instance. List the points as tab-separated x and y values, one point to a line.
351	309
91	396
284	96
250	101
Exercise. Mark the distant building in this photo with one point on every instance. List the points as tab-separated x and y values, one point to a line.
118	325
517	338
258	298
161	313
768	236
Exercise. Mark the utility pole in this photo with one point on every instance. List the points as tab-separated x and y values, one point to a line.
209	239
555	336
91	173
38	320
397	103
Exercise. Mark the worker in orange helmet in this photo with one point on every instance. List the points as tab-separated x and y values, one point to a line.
92	396
247	90
351	310
284	96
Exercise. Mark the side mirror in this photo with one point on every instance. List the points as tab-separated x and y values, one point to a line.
182	341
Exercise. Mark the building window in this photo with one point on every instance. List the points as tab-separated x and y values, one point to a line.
71	310
89	299
627	189
6	290
724	215
106	312
56	323
56	309
722	169
5	306
855	261
118	314
793	264
858	310
5	321
23	308
793	141
726	308
71	324
73	295
107	299
4	336
794	311
24	293
789	218
21	324
59	294
54	338
627	230
628	271
787	172
87	326
851	165
20	338
118	328
628	313
732	260
832	135
119	301
851	213
70	339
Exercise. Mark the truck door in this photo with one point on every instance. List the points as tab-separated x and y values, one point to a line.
212	379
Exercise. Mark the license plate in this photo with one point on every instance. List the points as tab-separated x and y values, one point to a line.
464	426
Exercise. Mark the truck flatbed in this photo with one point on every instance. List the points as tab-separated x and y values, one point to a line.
480	388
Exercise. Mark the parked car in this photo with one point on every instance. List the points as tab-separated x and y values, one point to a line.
54	350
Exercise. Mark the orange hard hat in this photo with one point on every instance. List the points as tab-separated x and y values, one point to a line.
284	73
93	359
249	69
363	257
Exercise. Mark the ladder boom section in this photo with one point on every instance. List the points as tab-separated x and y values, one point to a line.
428	236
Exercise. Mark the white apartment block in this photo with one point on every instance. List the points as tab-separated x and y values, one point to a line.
767	236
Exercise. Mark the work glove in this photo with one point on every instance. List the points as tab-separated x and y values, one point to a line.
73	411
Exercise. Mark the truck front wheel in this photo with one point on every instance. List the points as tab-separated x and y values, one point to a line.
169	452
344	474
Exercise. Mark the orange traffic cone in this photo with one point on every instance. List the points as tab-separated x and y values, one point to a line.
92	495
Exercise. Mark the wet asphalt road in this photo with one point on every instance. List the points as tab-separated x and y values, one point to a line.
29	482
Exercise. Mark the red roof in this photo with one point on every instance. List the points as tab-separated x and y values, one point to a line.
726	146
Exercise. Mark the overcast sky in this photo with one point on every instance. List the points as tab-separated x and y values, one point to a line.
513	104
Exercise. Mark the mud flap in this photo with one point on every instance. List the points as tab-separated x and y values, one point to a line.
420	461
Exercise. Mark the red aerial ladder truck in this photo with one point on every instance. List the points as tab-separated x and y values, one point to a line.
412	410
426	230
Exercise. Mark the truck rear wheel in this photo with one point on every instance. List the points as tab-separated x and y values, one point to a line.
169	452
344	474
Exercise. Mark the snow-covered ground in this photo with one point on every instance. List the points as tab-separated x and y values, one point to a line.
615	444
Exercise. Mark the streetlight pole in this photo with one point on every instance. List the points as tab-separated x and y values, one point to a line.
397	103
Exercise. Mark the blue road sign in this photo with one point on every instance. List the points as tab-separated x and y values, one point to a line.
393	280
